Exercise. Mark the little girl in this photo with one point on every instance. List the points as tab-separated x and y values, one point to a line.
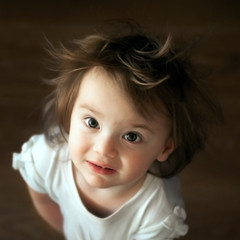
126	116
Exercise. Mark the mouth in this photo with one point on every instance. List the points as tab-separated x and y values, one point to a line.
103	170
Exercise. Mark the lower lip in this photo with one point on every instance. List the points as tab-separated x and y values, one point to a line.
100	170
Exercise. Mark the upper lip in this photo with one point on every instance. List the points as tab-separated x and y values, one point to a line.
101	165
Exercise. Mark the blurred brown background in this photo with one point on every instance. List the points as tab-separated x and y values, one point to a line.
211	184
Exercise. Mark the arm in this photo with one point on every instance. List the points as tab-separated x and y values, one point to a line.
47	209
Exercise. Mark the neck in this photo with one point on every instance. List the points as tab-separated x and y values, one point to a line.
95	199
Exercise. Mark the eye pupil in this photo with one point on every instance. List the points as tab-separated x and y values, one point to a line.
92	123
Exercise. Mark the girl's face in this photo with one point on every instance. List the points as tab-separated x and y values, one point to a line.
110	144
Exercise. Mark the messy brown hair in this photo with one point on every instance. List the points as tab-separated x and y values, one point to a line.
151	71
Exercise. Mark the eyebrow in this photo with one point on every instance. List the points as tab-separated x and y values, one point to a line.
89	108
143	126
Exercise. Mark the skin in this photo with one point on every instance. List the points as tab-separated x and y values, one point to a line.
111	146
47	209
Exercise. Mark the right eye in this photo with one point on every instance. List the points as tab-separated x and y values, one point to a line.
91	122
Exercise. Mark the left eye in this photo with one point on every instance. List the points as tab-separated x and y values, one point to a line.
132	137
91	122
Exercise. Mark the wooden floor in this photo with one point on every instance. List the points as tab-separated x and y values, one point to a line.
211	184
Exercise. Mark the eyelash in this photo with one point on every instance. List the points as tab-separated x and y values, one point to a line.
137	137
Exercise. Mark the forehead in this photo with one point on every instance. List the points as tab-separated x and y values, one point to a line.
96	78
145	103
98	84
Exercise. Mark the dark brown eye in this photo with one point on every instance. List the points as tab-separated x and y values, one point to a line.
132	137
91	122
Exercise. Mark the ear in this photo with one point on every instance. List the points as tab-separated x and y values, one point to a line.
166	151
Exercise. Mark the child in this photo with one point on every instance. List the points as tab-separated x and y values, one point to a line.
126	116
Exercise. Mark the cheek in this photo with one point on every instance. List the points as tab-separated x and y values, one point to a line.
78	145
140	160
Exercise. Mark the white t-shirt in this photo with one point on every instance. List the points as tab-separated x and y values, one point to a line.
155	212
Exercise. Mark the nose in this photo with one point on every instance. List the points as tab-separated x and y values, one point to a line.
106	146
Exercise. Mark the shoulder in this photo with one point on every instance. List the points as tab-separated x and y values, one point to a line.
167	190
38	160
46	155
163	209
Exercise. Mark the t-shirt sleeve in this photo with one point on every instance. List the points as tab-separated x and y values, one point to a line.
33	162
172	227
165	216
